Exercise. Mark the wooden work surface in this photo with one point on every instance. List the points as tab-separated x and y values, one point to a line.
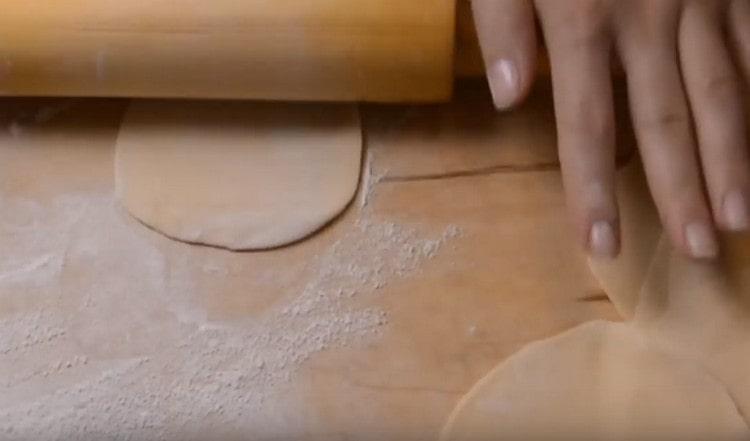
480	192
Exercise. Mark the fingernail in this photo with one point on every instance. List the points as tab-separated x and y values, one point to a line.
504	83
602	241
701	241
735	211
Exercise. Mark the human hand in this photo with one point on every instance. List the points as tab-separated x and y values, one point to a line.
684	61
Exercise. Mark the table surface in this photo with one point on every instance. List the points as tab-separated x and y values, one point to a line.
455	253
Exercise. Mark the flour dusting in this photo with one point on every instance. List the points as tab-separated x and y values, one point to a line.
104	339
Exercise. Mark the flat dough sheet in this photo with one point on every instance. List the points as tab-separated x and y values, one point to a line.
598	381
237	175
676	370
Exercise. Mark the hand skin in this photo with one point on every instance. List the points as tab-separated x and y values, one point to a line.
687	64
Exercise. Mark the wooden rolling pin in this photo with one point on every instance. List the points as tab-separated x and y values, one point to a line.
373	50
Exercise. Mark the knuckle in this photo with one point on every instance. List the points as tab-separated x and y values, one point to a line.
648	26
665	121
722	87
585	38
587	124
590	13
583	23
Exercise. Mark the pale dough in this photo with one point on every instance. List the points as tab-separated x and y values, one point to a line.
700	310
599	381
676	370
237	175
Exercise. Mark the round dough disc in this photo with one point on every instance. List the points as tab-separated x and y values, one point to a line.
599	381
238	175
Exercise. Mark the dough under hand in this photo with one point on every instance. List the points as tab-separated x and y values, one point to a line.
237	175
676	371
599	381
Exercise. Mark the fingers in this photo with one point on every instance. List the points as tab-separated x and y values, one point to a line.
739	31
663	128
507	35
714	92
580	64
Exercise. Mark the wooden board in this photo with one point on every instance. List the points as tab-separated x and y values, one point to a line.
495	268
468	137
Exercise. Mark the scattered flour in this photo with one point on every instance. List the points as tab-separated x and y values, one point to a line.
370	179
84	356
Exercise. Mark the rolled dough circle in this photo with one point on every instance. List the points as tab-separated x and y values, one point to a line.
237	175
599	381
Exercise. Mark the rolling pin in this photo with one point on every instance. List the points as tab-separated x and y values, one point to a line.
343	50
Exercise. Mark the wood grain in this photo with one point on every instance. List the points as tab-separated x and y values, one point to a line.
512	275
373	50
